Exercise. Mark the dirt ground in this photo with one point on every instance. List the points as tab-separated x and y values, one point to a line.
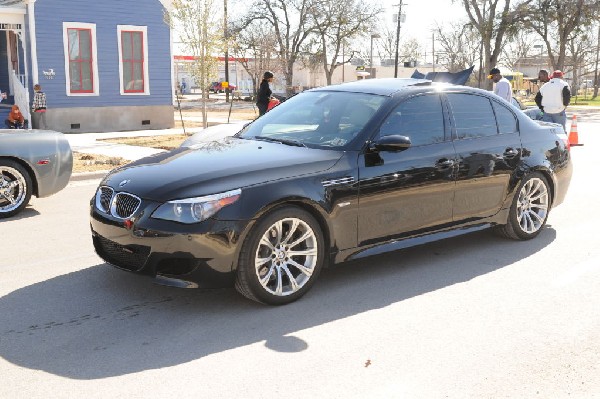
95	162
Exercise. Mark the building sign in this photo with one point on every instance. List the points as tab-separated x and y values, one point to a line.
10	26
49	74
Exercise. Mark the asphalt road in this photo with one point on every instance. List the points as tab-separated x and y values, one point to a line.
470	317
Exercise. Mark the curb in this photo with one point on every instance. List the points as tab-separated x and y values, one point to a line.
88	175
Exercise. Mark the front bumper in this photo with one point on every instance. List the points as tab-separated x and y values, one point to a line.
204	254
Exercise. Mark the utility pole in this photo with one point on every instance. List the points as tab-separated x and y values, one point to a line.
226	34
202	34
433	49
596	77
343	64
397	39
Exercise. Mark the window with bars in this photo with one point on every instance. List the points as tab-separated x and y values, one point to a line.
81	62
133	60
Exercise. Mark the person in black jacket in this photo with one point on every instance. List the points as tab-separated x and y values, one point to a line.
264	93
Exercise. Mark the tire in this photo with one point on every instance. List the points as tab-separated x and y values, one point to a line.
15	188
268	270
529	210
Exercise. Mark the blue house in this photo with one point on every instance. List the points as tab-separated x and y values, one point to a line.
105	65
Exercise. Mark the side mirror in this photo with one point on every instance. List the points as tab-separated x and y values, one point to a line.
391	143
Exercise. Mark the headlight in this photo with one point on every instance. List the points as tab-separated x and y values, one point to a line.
194	210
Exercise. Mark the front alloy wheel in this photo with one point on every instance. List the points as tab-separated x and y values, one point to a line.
281	257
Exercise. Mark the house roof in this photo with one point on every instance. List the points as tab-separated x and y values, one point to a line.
166	3
10	2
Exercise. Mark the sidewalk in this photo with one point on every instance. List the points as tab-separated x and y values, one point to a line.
89	143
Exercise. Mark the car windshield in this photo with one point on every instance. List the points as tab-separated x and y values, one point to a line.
327	119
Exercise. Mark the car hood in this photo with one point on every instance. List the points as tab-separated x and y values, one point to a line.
215	167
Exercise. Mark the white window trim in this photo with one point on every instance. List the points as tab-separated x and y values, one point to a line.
144	30
92	28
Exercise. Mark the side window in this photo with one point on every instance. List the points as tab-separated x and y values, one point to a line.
473	115
419	118
507	123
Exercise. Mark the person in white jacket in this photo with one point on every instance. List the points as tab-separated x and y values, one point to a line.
553	98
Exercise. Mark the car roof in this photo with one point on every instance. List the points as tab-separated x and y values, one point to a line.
383	86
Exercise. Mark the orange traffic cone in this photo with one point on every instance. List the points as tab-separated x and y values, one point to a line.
573	136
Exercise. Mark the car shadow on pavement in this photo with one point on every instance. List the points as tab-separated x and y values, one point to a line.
28	212
101	322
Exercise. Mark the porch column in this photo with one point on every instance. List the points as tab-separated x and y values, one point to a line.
26	112
32	40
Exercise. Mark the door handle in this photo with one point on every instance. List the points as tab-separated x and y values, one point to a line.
445	163
510	153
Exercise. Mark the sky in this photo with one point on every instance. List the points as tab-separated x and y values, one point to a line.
422	16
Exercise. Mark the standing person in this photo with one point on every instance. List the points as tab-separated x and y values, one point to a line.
38	108
553	98
264	93
543	77
15	118
503	87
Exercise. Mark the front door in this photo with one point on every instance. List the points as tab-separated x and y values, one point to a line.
402	192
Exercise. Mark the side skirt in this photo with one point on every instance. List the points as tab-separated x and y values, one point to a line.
356	253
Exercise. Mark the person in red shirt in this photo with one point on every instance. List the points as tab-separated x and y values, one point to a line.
15	118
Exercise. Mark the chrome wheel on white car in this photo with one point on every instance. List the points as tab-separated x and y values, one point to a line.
15	188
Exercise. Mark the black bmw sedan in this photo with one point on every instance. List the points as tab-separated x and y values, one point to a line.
332	174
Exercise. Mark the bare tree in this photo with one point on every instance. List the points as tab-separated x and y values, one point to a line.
596	76
460	45
291	23
410	49
557	22
200	33
492	19
254	48
336	22
387	42
582	52
517	46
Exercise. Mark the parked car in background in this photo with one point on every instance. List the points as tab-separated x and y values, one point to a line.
331	174
32	162
217	87
533	112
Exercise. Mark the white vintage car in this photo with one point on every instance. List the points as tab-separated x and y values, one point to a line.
32	162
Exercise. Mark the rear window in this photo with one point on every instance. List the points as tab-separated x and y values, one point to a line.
507	122
473	115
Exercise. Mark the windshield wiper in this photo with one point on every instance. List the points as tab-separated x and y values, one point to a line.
282	141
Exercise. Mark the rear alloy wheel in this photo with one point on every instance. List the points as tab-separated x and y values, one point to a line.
529	210
281	258
15	188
